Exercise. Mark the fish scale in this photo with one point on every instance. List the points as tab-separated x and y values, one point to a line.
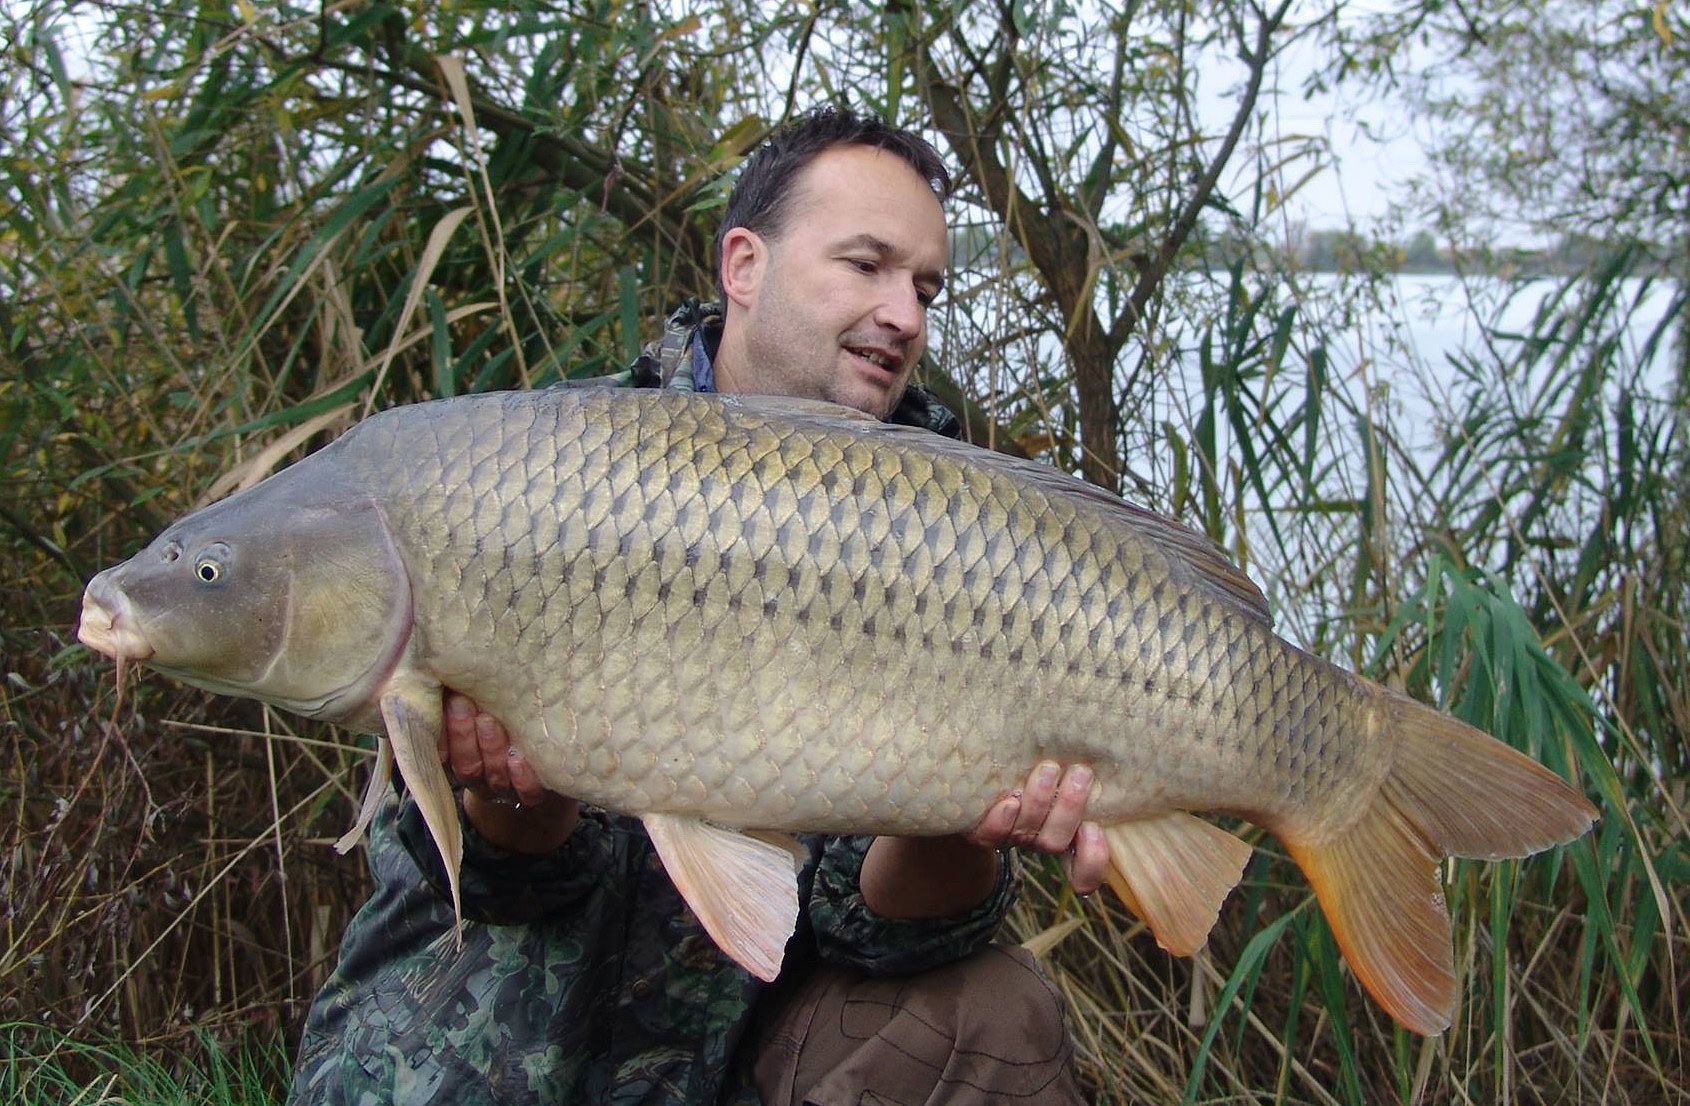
967	603
749	613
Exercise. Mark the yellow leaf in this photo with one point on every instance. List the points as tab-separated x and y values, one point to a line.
1659	19
680	30
735	139
1035	444
1040	944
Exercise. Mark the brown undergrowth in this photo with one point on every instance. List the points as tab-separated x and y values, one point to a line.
167	863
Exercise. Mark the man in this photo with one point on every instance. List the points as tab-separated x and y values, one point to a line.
587	979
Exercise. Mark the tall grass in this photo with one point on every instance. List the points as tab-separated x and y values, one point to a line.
42	1068
235	236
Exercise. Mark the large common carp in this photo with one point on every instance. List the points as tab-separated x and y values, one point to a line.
772	615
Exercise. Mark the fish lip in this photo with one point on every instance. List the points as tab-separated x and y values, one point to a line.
108	624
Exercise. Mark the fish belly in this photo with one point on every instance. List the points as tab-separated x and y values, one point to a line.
683	608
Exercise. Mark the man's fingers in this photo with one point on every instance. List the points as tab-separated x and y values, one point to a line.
1036	801
494	745
463	747
1067	811
524	782
477	749
994	827
1089	861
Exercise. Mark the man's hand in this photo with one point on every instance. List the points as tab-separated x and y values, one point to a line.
938	877
1048	815
503	799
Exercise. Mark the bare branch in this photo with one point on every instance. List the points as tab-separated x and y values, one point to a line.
1127	322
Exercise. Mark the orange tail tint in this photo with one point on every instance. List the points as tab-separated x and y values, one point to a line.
1452	791
1174	870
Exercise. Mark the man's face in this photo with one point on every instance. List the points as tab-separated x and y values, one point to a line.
835	302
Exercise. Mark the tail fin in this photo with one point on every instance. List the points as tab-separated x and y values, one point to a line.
1451	791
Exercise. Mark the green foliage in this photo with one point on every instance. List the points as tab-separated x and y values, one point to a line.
226	232
1555	115
1530	578
41	1068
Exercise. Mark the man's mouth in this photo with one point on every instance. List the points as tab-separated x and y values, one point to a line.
884	360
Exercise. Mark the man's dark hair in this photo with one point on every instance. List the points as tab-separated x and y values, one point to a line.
763	193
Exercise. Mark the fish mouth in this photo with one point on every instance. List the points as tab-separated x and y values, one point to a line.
108	624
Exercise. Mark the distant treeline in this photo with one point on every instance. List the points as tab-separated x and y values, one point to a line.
1348	251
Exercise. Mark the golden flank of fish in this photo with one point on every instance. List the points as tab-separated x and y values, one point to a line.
739	617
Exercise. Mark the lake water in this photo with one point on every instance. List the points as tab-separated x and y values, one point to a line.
1415	349
1443	323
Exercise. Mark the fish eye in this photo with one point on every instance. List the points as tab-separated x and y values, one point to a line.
208	566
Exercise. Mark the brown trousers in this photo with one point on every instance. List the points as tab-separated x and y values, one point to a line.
985	1029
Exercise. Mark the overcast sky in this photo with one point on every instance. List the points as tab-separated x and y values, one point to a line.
1374	151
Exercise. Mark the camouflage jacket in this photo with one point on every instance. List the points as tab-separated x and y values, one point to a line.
583	976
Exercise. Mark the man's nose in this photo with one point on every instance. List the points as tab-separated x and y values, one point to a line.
902	311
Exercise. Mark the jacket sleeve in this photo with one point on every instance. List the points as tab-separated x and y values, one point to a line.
507	888
849	934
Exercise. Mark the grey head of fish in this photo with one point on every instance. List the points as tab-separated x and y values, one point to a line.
290	592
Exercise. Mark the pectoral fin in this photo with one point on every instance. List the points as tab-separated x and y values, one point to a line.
1174	870
743	887
412	711
380	773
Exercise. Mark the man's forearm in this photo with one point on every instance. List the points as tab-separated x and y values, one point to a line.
941	877
927	877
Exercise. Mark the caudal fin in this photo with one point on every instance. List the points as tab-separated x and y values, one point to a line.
1452	791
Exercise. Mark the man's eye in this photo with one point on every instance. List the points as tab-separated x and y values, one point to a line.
861	265
924	297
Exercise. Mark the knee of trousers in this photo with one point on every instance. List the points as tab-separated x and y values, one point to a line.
1001	987
987	1028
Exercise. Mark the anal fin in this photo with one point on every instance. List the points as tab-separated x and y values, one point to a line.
1174	870
742	886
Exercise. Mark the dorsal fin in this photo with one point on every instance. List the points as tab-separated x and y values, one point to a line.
1210	567
819	411
1181	543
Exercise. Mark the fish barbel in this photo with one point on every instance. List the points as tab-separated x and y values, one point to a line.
738	613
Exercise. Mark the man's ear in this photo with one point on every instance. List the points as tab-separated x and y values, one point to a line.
745	260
